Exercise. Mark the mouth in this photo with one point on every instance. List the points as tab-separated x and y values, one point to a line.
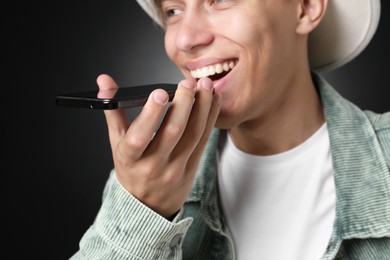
215	71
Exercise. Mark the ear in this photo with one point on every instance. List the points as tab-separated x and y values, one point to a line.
310	14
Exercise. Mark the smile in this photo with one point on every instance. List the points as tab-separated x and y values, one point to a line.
215	71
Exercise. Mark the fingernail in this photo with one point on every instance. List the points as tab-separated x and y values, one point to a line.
160	96
207	84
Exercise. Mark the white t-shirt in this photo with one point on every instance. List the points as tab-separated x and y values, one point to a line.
282	206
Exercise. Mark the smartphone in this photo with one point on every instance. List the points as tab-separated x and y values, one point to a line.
123	97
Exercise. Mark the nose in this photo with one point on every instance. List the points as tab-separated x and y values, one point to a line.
194	32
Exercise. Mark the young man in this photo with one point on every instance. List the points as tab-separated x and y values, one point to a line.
257	156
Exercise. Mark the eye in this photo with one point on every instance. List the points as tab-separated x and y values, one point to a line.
218	1
172	12
221	4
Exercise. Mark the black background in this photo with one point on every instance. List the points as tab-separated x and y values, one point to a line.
56	160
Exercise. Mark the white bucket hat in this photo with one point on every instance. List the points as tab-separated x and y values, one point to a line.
347	28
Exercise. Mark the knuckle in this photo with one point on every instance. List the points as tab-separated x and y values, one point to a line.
173	131
134	142
150	172
172	176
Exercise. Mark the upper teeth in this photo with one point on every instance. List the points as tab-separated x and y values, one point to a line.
212	69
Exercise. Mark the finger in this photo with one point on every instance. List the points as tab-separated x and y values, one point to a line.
143	127
175	120
211	119
117	120
198	119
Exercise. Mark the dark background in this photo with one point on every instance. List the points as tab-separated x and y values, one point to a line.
57	159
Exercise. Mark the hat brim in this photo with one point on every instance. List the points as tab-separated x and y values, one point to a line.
345	31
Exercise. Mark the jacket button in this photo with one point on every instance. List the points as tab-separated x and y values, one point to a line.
175	240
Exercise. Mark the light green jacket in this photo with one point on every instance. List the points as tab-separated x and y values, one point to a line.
360	145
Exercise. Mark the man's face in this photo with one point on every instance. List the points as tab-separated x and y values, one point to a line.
252	41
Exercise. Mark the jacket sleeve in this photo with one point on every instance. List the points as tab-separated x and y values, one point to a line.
125	228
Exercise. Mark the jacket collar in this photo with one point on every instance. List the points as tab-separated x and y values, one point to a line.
361	173
362	177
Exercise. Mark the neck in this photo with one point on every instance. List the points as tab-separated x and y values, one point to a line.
289	124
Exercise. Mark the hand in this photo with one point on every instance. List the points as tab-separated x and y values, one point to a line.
159	168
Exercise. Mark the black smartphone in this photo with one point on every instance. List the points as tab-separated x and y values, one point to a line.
123	97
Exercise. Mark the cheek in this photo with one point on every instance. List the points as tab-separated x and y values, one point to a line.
170	47
173	52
